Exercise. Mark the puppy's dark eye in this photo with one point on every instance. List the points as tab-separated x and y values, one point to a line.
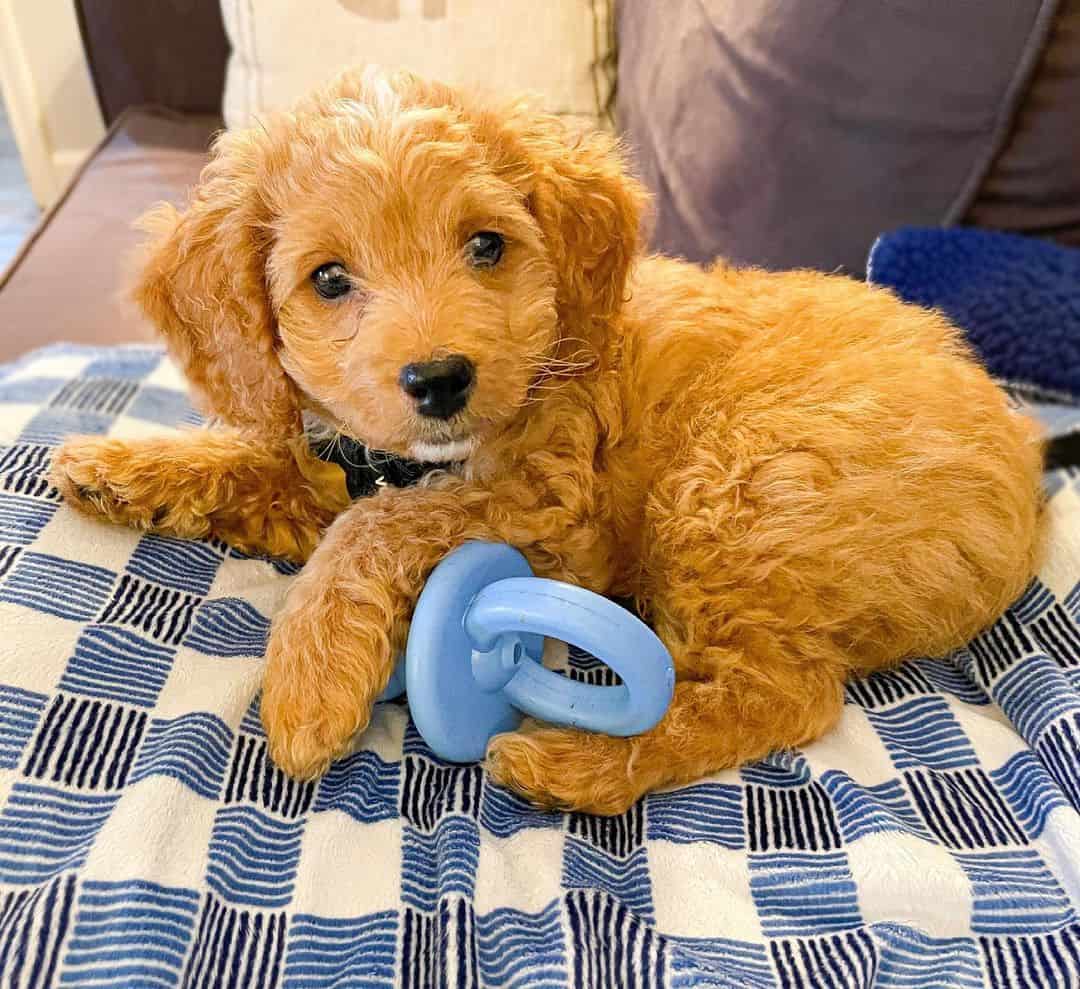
331	280
484	249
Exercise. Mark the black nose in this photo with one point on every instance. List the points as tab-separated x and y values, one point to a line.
440	388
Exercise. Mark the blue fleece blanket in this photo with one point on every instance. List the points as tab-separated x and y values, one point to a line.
1017	298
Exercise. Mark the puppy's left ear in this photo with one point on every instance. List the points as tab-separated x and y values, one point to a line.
202	282
590	211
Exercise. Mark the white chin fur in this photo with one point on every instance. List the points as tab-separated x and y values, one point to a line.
442	453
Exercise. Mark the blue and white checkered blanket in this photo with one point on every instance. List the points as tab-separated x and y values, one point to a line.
145	839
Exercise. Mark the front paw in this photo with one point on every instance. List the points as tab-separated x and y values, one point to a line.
101	477
304	738
323	676
565	769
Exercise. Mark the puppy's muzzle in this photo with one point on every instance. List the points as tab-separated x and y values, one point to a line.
439	388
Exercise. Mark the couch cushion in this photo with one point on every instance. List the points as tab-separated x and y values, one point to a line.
170	53
282	49
67	282
791	134
1034	185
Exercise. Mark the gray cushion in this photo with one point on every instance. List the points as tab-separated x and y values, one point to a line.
790	133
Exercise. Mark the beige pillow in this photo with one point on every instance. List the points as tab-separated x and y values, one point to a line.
559	49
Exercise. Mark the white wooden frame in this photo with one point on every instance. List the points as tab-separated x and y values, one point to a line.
50	147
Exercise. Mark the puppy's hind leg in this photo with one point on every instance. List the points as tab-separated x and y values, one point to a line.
257	496
734	717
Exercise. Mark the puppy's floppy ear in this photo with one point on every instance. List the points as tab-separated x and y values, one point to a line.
589	209
202	283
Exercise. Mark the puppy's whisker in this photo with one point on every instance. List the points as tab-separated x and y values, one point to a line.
345	457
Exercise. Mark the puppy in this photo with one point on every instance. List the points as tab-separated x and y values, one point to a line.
796	477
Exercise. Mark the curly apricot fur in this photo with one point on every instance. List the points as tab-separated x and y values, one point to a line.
796	476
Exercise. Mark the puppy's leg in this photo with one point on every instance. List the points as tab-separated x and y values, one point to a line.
760	661
334	644
257	496
710	725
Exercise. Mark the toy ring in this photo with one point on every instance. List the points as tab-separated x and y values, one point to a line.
472	665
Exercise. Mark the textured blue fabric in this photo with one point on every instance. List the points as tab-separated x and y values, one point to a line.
1016	298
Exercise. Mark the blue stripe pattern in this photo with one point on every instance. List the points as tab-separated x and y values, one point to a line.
518	949
171	408
801	893
63	588
626	880
1059	750
710	812
610	945
963	809
21	519
946	677
130	933
1030	791
192	748
52	426
45	831
30	391
1048	961
503	813
132	361
1072	602
923	732
864	810
358	951
176	563
253	857
1034	694
251	723
19	713
910	959
228	627
33	924
114	662
837	962
781	769
1015	893
1033	602
696	961
435	865
362	786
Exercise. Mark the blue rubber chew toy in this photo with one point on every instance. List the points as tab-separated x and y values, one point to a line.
472	665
